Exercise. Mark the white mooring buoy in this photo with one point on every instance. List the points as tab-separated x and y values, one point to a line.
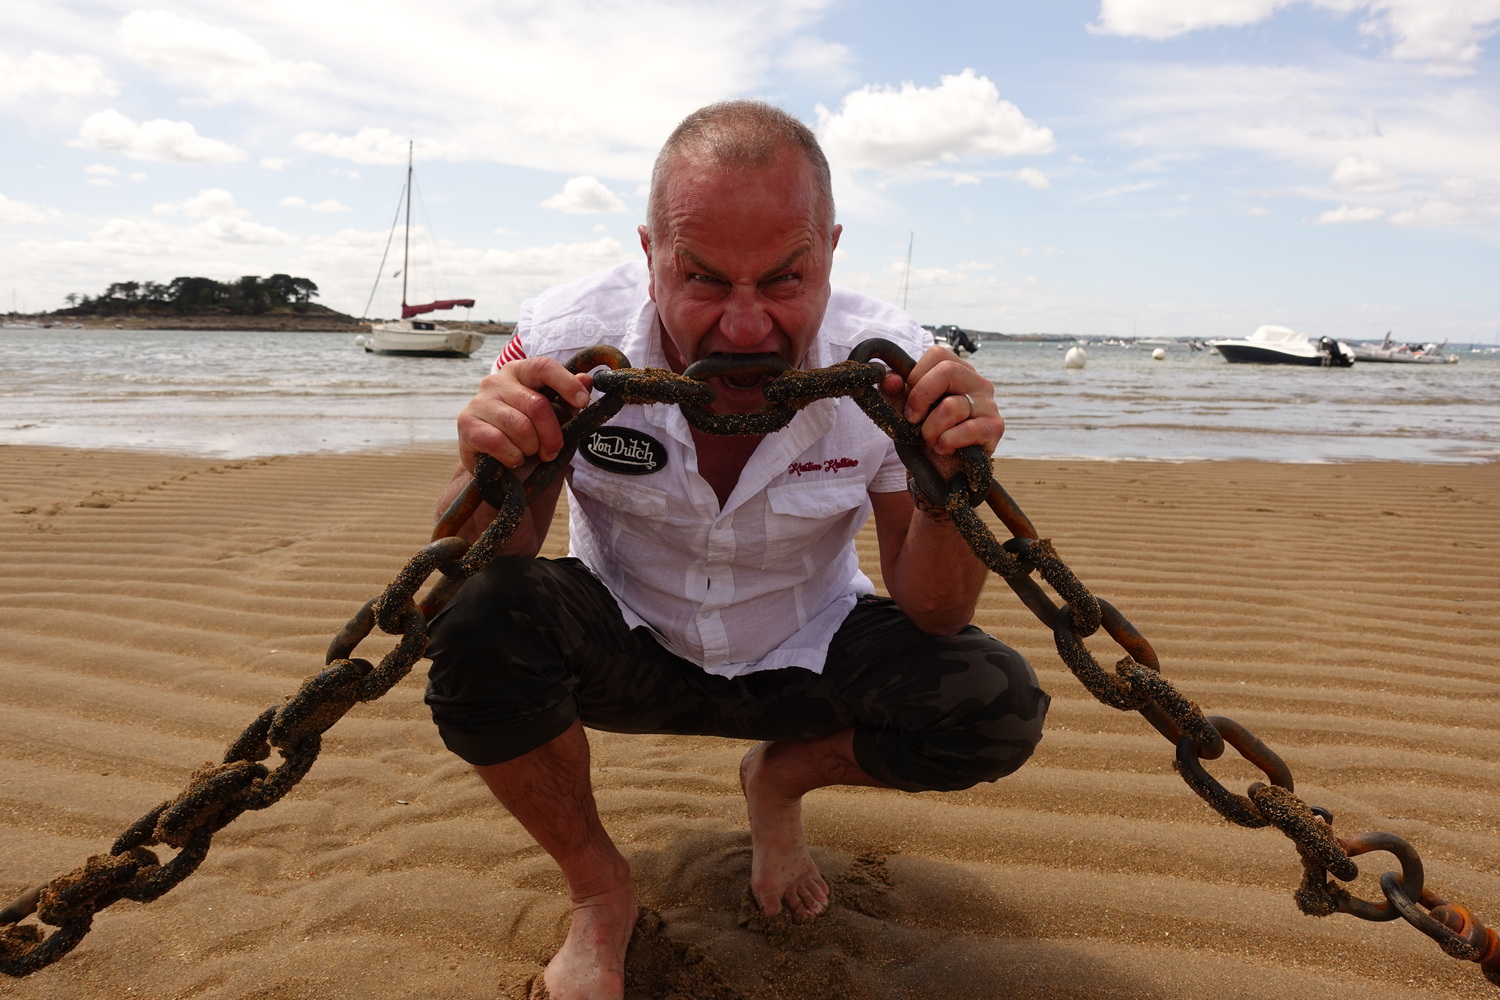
1159	354
1075	358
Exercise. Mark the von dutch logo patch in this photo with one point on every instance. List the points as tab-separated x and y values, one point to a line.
624	450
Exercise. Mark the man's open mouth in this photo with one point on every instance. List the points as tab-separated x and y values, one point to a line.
746	382
741	372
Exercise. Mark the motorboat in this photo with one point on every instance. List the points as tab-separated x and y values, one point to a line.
408	335
1279	345
1404	354
955	337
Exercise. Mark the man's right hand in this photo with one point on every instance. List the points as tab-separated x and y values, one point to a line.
509	417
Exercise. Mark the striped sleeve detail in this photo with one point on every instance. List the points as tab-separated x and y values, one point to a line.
514	351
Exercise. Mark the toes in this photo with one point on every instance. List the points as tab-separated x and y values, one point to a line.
769	902
809	898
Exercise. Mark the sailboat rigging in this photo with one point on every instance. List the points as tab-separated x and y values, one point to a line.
409	336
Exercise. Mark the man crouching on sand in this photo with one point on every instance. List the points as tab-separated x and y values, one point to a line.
712	586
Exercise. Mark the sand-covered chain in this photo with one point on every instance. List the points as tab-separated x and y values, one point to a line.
218	793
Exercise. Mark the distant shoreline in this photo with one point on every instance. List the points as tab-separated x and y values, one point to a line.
280	322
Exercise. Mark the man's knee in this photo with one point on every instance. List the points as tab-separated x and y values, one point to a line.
498	685
981	722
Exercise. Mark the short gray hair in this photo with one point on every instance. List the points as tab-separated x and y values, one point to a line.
743	135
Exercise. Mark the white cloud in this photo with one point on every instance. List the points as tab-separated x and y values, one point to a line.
224	63
573	86
1345	213
234	230
1033	177
966	180
216	246
1169	18
1438	31
274	164
210	203
373	145
1355	173
20	213
1444	32
584	196
158	140
1458	201
1120	189
1414	132
326	205
102	175
816	58
47	73
886	128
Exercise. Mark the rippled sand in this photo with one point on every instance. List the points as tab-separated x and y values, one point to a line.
1349	615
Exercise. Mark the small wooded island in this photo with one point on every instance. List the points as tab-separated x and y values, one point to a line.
280	302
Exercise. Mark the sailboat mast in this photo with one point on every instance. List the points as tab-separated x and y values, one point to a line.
906	282
406	241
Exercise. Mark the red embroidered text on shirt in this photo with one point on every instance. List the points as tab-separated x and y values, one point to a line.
832	465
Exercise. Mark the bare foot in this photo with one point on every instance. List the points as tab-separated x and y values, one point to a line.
591	963
781	866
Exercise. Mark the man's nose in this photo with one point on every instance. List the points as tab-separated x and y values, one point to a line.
745	322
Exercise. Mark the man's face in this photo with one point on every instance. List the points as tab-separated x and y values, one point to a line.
742	267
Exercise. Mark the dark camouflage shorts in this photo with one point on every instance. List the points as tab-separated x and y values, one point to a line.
529	645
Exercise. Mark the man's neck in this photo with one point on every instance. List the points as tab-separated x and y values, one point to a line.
722	459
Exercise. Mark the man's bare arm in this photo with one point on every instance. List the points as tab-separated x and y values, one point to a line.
928	567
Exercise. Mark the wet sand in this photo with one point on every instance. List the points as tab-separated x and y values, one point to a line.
1348	614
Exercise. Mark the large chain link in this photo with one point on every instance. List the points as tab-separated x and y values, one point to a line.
218	793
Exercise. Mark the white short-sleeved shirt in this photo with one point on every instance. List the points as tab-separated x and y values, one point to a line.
765	581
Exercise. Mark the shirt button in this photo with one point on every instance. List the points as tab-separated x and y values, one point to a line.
704	615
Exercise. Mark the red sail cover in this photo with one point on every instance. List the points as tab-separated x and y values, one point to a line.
407	312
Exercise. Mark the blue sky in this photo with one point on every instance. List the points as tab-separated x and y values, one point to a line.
1189	168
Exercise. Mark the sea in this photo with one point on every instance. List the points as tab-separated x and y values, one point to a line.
241	394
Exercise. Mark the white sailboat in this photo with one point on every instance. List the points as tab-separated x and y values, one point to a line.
409	335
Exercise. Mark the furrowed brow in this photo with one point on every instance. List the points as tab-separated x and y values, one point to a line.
699	264
787	262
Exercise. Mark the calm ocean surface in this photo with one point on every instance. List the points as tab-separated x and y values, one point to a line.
235	395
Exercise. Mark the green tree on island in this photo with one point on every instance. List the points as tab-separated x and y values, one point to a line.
250	295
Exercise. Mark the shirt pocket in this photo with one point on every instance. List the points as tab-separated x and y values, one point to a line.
612	491
798	517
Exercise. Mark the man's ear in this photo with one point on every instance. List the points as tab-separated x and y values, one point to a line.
645	235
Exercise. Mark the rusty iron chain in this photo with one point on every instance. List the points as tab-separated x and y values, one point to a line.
216	794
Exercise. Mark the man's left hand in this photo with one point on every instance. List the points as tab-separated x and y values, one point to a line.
953	402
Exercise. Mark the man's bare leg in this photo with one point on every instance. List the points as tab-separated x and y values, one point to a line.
548	790
775	776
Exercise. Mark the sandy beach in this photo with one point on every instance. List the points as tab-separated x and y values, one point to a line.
1348	614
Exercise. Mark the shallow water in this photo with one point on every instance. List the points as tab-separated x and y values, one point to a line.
236	394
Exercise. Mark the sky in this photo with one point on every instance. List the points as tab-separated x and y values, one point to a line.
1178	168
